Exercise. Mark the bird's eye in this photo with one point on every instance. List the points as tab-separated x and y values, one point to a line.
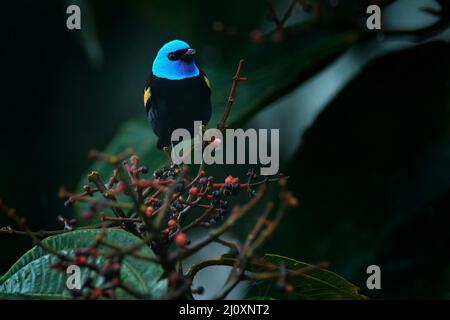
172	56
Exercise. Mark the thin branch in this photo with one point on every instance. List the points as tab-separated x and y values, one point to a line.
113	204
94	177
288	12
46	233
21	222
219	261
236	79
104	217
230	244
195	222
111	159
119	251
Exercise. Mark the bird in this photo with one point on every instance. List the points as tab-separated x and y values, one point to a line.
177	92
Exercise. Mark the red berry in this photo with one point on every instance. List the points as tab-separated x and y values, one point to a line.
229	180
81	260
149	212
256	36
235	181
172	223
289	288
277	36
181	239
115	282
193	191
87	214
121	187
97	293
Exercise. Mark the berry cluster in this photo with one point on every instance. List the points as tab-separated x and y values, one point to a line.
165	201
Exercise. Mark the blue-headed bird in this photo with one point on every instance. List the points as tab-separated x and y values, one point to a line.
177	92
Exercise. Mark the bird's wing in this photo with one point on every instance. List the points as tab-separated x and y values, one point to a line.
147	95
150	105
206	80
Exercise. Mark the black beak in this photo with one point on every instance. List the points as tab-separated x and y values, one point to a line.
188	56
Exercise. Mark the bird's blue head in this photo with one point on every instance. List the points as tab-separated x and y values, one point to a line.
175	61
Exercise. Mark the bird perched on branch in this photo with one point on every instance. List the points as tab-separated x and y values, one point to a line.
177	92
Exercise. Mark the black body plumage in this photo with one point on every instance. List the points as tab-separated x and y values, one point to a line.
173	104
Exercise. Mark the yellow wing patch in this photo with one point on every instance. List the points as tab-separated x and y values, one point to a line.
207	82
147	95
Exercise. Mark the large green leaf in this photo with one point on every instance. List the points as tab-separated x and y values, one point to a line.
314	284
32	278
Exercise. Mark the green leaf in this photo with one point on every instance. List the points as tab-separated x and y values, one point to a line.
32	278
315	284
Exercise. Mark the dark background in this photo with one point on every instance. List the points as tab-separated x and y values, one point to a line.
372	170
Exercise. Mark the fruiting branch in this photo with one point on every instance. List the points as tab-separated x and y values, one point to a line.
162	210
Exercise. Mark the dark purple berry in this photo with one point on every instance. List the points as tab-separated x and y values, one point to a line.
88	282
225	205
178	205
215	203
158	173
235	188
280	286
157	204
